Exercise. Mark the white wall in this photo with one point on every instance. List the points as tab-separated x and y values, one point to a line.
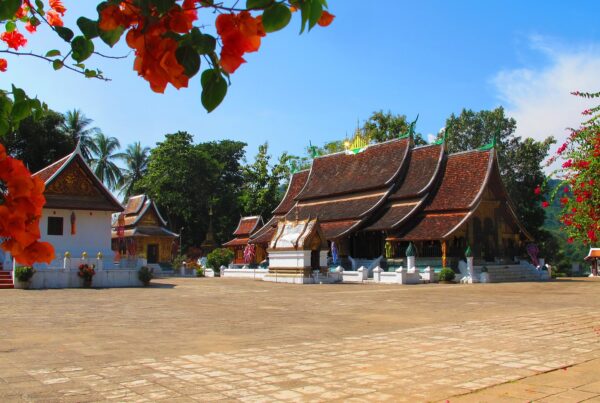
93	233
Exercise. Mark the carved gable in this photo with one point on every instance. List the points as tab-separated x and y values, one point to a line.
73	181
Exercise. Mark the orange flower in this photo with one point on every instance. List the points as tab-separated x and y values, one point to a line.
3	65
54	18
58	6
240	34
111	18
325	19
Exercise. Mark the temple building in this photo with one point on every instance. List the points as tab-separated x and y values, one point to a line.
141	230
246	228
77	215
374	200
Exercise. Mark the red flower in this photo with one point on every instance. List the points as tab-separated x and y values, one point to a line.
564	200
3	65
566	189
57	6
13	39
570	240
545	204
537	190
30	28
54	18
567	164
325	19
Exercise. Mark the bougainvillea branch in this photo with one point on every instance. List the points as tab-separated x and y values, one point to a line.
166	36
579	191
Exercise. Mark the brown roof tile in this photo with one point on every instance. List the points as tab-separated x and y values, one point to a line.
46	173
463	178
237	242
264	235
433	226
423	165
340	208
248	225
296	184
134	204
334	229
393	216
342	173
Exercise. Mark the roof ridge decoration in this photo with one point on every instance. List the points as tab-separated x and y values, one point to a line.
444	137
360	142
493	143
411	129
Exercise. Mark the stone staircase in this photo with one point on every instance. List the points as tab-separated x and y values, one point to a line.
510	273
369	264
6	280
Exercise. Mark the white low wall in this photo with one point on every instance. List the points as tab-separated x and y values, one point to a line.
357	276
245	273
61	278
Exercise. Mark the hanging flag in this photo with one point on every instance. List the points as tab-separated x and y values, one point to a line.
73	223
334	252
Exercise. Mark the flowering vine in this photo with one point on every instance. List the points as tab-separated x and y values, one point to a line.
167	37
579	191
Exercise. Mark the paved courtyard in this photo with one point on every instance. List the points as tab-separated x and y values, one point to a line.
252	341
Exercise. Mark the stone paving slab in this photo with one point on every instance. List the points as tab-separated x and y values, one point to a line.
196	340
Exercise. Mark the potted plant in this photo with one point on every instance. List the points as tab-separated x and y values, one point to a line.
219	257
200	272
23	275
446	276
87	273
145	274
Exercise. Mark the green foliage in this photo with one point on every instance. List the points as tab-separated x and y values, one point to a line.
16	109
276	17
446	274
136	166
39	143
145	274
386	126
77	126
82	48
178	261
519	160
219	257
104	154
214	89
24	273
199	272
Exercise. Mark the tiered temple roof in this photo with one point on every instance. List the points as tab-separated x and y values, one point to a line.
72	185
142	218
412	193
246	227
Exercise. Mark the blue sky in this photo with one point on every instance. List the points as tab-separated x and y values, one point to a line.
421	57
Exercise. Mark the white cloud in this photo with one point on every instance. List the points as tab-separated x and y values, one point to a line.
539	98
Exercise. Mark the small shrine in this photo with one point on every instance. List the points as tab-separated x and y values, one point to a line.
298	248
141	230
245	253
594	258
77	215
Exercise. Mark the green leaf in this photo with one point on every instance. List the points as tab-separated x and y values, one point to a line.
8	8
189	59
80	65
258	3
82	48
276	17
214	89
316	9
10	26
53	53
90	73
21	110
112	37
65	33
162	6
57	64
202	43
18	94
88	27
39	4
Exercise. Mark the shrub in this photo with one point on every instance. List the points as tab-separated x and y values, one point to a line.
86	272
219	257
446	274
145	274
24	274
199	272
178	261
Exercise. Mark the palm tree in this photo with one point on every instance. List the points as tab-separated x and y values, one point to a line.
136	161
103	149
76	126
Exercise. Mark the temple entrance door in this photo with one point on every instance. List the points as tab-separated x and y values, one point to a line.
152	253
314	260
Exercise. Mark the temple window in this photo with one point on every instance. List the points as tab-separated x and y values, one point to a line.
55	225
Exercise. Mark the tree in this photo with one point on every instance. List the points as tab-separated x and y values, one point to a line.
262	183
104	154
520	161
386	126
227	185
76	126
136	166
180	180
38	143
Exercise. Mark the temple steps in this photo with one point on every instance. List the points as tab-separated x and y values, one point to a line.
6	280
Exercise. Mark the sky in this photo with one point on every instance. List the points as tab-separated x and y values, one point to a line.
429	57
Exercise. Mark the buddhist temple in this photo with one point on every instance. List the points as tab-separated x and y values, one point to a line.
375	200
246	228
140	229
77	215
